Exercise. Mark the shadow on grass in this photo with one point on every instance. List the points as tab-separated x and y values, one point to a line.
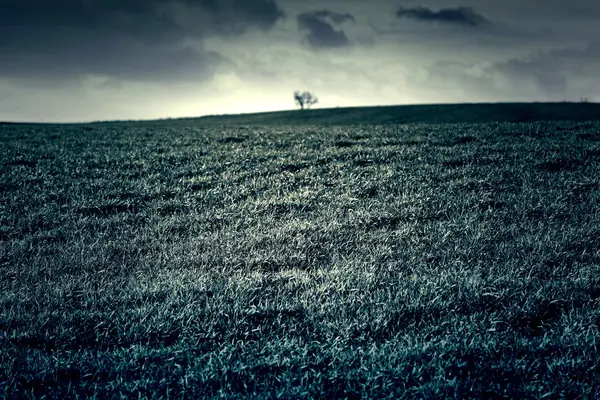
291	168
21	163
537	317
232	139
458	141
106	210
561	164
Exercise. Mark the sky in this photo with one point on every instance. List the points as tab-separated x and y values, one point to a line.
90	60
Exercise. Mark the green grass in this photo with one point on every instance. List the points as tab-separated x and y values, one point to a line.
418	261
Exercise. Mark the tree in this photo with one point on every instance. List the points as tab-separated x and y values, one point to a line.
305	99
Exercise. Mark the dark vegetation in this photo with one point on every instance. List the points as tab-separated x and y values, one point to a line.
419	260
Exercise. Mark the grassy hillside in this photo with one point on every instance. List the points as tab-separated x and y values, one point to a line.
388	261
432	114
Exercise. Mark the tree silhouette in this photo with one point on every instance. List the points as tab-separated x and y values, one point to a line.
305	99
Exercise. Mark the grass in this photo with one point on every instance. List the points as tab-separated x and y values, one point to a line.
411	114
418	260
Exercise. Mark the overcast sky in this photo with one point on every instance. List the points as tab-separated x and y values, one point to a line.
82	60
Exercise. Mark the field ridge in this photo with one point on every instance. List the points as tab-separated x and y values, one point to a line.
410	114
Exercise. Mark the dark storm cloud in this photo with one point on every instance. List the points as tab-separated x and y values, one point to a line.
144	17
321	33
137	39
463	16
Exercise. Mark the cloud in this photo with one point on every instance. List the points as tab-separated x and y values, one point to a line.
337	18
555	72
227	18
462	16
553	75
321	33
69	60
132	39
154	19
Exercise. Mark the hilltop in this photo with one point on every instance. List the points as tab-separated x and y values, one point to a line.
410	114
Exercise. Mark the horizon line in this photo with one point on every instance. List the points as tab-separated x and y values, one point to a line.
293	110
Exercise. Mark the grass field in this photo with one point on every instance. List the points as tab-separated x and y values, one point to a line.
302	261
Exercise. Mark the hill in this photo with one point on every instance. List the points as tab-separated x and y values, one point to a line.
175	259
437	113
385	115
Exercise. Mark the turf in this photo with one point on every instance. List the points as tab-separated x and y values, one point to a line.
301	261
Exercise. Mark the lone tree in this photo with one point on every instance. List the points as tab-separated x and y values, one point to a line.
305	99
